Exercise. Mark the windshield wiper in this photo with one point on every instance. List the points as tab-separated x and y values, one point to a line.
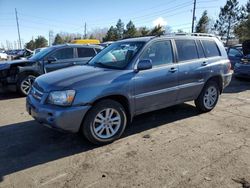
102	64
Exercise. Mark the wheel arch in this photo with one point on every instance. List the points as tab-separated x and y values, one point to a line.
118	98
26	73
218	79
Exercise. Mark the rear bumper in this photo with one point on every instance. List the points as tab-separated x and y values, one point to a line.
63	118
227	79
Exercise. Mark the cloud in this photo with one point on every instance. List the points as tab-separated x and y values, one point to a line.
160	21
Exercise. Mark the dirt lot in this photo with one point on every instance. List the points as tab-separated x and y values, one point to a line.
174	147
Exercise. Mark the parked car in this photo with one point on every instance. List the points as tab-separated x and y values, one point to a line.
242	67
235	54
20	54
3	55
21	74
128	78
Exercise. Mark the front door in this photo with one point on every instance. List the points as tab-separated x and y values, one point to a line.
64	58
157	88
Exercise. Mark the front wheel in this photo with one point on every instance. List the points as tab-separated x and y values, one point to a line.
24	84
208	98
105	122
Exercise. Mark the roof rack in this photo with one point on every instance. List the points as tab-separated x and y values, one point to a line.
192	34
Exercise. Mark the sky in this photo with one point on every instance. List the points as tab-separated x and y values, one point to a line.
37	17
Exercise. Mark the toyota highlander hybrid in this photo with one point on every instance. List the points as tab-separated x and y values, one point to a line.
128	78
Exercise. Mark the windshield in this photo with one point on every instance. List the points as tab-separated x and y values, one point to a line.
41	54
117	55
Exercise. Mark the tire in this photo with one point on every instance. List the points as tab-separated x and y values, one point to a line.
208	97
24	84
98	126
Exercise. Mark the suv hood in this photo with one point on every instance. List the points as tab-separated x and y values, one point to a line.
75	77
7	64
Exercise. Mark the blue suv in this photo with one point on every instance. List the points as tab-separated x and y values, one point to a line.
128	78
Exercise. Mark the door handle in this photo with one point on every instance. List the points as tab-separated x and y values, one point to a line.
74	63
173	70
204	63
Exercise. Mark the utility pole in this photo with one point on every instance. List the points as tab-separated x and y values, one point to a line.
85	30
194	9
20	44
51	37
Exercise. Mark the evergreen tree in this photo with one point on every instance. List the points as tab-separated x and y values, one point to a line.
120	29
130	31
41	42
30	45
91	36
229	17
243	29
180	31
58	40
144	31
111	35
157	31
203	24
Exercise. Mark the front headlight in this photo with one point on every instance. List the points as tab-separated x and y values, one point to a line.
61	98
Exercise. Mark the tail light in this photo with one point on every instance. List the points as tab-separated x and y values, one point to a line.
229	66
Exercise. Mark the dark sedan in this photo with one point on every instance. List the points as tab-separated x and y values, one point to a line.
22	73
242	67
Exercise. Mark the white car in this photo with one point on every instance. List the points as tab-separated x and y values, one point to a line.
3	56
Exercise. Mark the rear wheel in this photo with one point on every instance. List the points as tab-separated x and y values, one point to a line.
208	98
105	122
25	83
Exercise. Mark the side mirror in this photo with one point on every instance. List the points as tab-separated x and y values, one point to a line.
51	59
144	64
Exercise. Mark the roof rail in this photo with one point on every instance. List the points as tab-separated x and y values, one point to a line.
192	34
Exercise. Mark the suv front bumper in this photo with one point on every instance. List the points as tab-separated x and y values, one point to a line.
63	118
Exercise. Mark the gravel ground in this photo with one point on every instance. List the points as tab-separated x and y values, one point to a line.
173	147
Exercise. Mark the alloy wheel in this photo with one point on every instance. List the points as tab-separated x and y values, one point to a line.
210	97
26	84
107	123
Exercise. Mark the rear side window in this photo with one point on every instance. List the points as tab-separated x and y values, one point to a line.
85	52
200	50
186	50
210	48
66	53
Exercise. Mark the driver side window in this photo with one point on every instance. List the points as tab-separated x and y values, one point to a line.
160	53
66	53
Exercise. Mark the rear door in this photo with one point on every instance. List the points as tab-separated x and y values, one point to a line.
192	68
64	58
157	87
84	54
